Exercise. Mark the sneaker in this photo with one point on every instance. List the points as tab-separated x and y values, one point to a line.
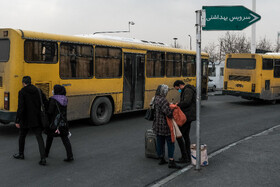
162	161
70	159
173	165
43	162
18	156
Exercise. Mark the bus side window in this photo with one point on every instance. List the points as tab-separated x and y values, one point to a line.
189	66
173	65
76	61
277	68
155	64
108	62
267	64
40	51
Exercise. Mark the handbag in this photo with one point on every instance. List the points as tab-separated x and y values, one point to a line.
150	114
43	115
59	123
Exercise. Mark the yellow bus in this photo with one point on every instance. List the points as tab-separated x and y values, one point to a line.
102	76
253	76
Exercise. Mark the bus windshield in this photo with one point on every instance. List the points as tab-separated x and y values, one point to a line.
4	50
241	63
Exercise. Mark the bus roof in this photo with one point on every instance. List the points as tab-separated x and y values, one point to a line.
249	55
130	43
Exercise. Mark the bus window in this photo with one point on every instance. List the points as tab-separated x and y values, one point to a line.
173	65
277	68
205	67
222	72
241	63
108	62
4	50
76	61
267	64
155	64
40	51
189	65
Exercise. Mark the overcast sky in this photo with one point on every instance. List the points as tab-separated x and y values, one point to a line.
155	20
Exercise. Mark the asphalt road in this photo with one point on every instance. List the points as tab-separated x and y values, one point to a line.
113	154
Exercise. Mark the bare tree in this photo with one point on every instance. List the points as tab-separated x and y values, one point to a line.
231	42
265	45
234	43
214	52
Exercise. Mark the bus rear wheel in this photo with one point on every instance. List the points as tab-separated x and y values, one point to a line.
101	111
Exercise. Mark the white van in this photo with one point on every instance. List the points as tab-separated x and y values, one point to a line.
216	76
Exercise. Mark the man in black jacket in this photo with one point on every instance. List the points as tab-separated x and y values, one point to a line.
188	106
28	117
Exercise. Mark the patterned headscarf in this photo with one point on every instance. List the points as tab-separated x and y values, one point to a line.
162	90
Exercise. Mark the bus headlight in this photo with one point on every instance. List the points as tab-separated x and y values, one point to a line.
6	100
253	87
225	85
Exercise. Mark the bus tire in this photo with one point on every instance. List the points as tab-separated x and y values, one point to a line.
101	111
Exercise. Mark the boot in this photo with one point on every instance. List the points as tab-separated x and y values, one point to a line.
18	156
173	165
184	160
68	159
162	161
43	162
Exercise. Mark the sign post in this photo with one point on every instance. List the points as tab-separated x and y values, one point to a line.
198	85
216	18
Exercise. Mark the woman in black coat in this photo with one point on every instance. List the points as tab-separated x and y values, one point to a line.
58	103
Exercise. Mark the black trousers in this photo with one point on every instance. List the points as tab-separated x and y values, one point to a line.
65	141
185	145
38	133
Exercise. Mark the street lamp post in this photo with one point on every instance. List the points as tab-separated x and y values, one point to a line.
175	39
190	42
129	23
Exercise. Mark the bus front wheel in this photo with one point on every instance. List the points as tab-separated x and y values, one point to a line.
101	111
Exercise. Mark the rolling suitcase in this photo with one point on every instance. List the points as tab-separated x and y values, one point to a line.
150	144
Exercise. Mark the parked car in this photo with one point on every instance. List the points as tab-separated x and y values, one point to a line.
211	85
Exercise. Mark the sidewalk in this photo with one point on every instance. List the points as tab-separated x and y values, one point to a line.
251	162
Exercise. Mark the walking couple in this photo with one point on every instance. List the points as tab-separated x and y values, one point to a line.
29	118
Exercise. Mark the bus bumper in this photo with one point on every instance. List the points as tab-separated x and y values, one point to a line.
245	95
7	117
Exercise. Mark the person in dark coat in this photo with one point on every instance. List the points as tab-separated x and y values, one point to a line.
188	106
28	117
161	128
59	100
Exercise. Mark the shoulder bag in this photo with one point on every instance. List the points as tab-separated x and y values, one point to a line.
59	123
43	115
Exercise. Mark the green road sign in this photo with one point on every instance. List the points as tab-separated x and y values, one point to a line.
228	17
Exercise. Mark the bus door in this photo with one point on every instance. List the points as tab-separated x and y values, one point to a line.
133	81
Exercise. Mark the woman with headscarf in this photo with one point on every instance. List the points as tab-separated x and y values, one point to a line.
58	104
161	128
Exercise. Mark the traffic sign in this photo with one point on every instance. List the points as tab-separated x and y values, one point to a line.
228	17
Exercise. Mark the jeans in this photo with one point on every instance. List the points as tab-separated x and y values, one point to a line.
161	143
38	133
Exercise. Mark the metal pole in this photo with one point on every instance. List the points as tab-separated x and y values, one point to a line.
198	85
190	42
253	40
